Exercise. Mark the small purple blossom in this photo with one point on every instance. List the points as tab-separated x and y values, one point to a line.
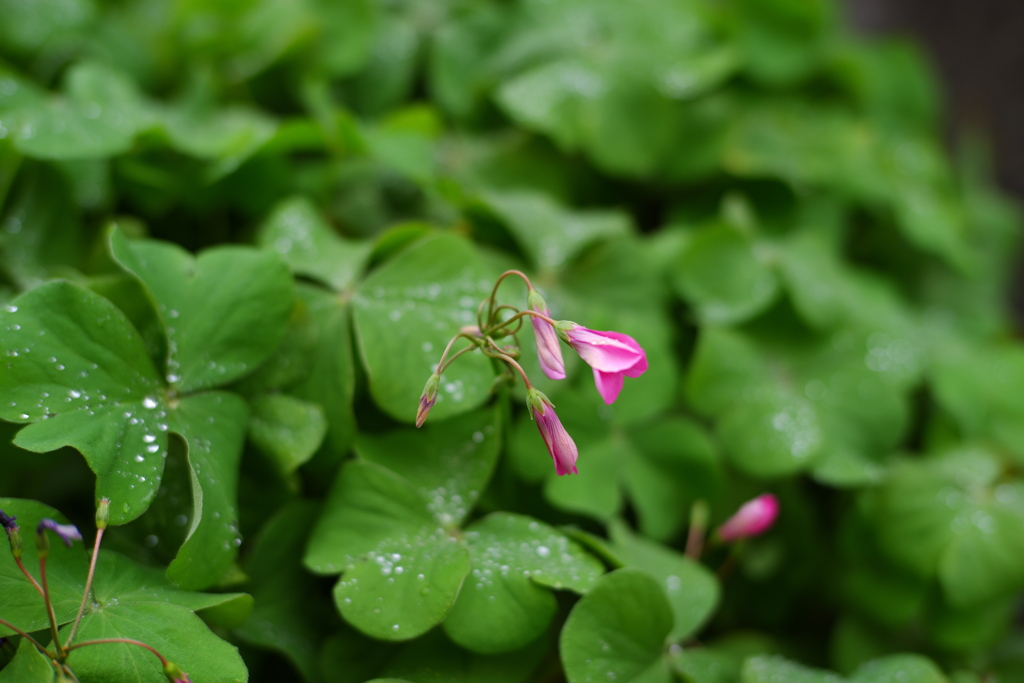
67	532
560	445
753	518
612	355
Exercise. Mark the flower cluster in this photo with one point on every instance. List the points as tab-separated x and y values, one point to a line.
611	355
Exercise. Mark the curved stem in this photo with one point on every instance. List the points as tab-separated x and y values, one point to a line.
518	316
494	291
121	641
502	356
440	369
88	586
26	636
31	578
61	654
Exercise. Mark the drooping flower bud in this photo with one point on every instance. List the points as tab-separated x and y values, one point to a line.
612	355
67	532
560	445
103	513
427	399
549	351
753	518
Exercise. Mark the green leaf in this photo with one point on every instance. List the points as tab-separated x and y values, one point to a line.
772	668
505	603
42	235
330	381
548	233
617	630
287	429
122	581
99	117
773	433
405	314
449	462
367	506
310	246
225	136
79	371
904	668
722	273
174	631
404	587
951	517
28	666
65	571
213	426
288	605
225	312
433	659
693	591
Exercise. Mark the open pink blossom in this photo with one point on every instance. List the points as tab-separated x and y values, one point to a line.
612	355
560	445
753	518
549	350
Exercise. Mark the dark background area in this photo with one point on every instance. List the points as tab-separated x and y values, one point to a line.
977	50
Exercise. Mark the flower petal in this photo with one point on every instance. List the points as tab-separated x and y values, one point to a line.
609	384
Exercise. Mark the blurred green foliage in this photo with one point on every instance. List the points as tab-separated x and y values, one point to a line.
235	236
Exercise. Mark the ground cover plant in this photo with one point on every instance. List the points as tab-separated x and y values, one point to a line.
733	396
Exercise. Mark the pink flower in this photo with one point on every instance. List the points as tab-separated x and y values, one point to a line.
549	351
612	355
753	518
560	445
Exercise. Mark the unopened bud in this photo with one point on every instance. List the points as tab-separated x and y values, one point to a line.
175	674
427	399
753	518
103	513
13	533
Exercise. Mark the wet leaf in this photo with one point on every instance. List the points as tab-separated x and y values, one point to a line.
79	372
505	602
225	312
405	314
617	630
287	429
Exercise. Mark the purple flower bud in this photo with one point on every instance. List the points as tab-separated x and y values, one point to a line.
753	518
427	399
560	445
549	351
612	355
175	674
67	532
8	523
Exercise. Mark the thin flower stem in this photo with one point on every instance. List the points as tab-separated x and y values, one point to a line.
519	315
121	641
494	292
451	360
502	356
26	637
88	586
31	578
698	530
461	335
49	610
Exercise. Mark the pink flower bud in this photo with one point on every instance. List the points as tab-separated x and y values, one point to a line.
612	355
753	518
560	445
549	351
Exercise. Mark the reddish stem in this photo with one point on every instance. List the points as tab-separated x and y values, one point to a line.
88	585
